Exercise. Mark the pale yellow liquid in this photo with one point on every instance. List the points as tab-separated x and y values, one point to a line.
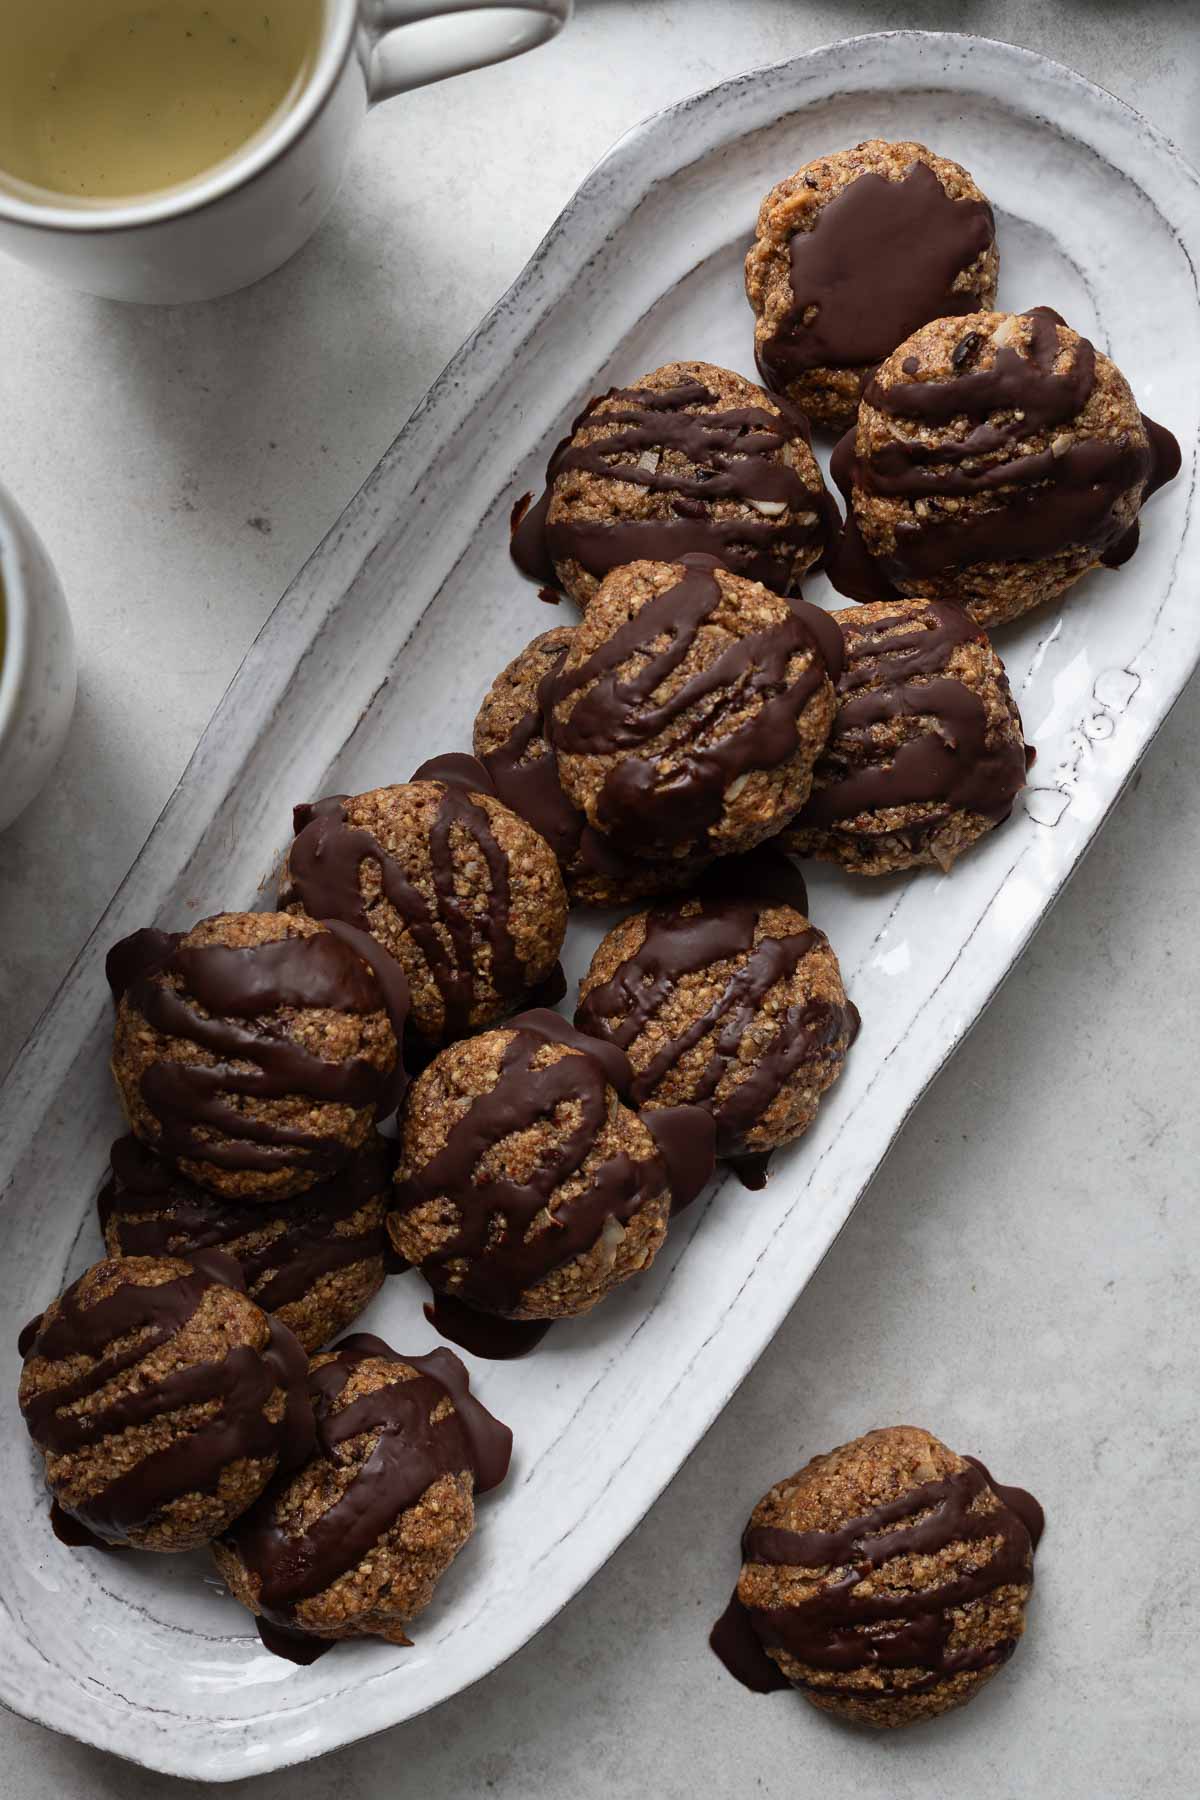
101	99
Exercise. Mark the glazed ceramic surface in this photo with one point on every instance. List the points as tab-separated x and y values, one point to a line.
37	667
250	215
378	656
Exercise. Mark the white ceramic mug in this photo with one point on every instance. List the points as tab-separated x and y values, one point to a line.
227	229
37	667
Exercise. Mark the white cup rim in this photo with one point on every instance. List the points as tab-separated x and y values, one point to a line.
341	20
16	617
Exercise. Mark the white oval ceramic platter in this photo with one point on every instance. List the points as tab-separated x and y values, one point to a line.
377	657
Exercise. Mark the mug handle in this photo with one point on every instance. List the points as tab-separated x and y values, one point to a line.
458	44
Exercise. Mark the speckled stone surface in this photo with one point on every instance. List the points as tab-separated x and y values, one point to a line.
1022	1277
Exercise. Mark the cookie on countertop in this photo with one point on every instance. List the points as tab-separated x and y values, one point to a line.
887	1581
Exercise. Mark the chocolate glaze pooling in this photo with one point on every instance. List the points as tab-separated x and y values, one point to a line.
411	1453
241	1384
220	986
1050	503
646	808
323	875
736	450
880	261
496	1214
484	1334
679	943
951	766
156	1212
826	1631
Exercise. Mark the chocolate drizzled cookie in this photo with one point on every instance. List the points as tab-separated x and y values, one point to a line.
464	894
353	1544
887	1580
691	458
162	1399
690	708
256	1050
851	255
729	1000
927	751
521	765
315	1262
995	460
525	1187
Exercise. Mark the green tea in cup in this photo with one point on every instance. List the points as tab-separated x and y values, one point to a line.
108	99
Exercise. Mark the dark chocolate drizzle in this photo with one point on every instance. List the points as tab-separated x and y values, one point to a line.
1048	503
654	811
242	1383
839	1631
529	785
911	229
149	1210
951	765
221	986
735	452
412	1452
504	1255
323	871
681	942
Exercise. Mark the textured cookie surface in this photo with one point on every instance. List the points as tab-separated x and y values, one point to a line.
691	458
887	1580
852	254
511	742
256	1050
354	1543
525	1187
726	1003
996	459
690	709
464	894
314	1261
162	1399
927	751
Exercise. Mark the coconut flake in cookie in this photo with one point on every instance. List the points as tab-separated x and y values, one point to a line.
853	253
996	459
691	458
887	1581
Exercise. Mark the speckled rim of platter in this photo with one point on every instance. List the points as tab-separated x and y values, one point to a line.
181	1686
